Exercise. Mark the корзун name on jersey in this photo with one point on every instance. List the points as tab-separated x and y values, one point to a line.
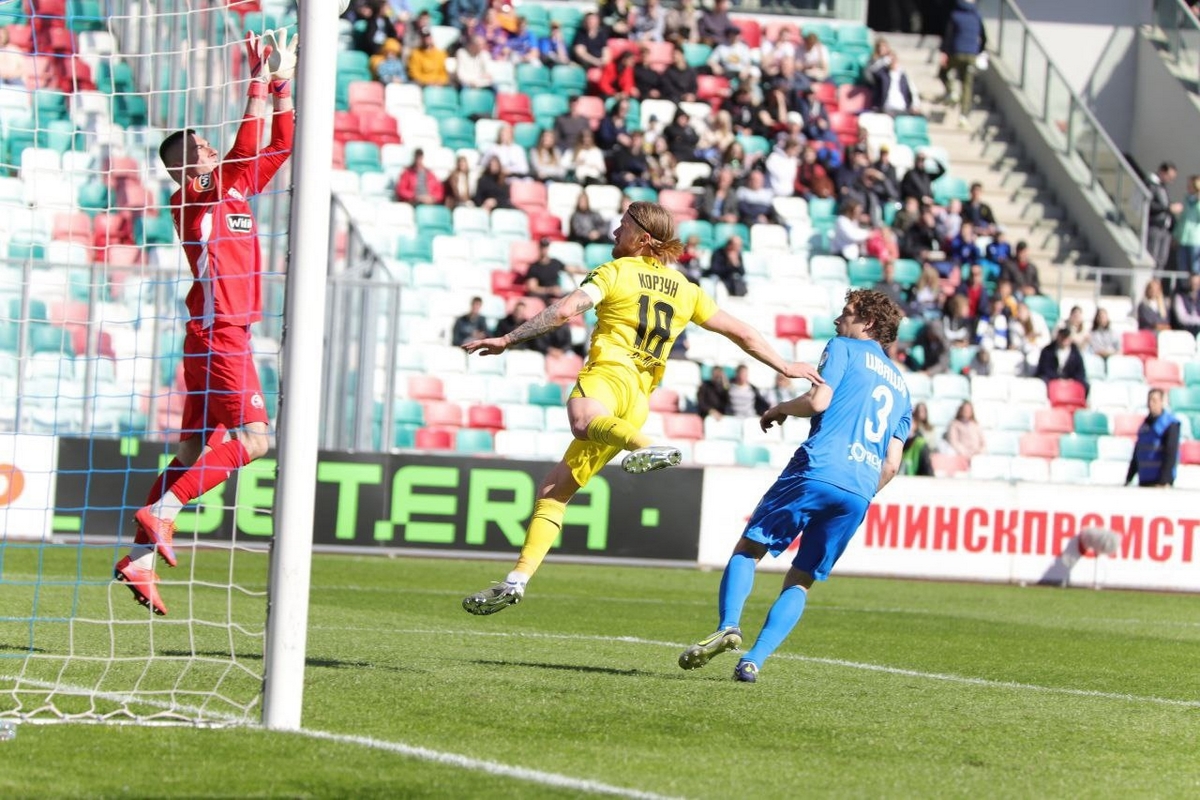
658	283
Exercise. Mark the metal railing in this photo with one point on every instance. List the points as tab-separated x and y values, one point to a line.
1181	32
1070	125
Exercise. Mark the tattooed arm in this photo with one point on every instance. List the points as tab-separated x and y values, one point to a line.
553	316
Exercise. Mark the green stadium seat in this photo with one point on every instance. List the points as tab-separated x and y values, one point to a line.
1191	373
569	78
434	7
912	131
822	209
565	15
433	220
825	32
949	187
1092	423
457	133
865	272
696	227
131	110
353	61
533	79
404	436
755	145
9	336
440	98
49	105
1078	446
723	230
408	412
548	394
85	15
114	77
362	157
637	193
844	68
258	22
57	135
474	440
909	328
50	339
854	35
477	103
596	254
906	271
961	357
697	55
1046	306
822	327
548	107
1185	400
526	134
21	250
417	248
752	455
154	230
533	13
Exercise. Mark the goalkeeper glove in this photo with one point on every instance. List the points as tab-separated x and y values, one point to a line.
281	58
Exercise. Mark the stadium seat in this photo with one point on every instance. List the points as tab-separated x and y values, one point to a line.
1093	423
664	401
1189	452
425	387
473	441
1067	393
528	195
1078	446
1039	445
514	108
1163	374
1030	469
433	439
791	327
547	107
457	133
550	394
442	414
1143	344
948	465
1069	471
568	78
1125	368
1184	400
683	426
912	131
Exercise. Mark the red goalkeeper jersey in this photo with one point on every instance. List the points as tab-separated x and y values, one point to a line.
215	224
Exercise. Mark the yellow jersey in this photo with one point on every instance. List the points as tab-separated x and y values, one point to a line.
641	307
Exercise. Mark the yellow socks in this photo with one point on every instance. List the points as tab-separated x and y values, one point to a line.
544	528
616	432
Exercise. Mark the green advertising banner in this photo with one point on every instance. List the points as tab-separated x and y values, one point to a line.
391	500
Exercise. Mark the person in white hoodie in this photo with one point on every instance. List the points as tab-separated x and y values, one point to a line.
782	165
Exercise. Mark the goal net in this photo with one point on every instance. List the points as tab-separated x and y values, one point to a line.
92	315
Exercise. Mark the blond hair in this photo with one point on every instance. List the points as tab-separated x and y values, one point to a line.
658	222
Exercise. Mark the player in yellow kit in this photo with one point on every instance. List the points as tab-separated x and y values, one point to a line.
641	305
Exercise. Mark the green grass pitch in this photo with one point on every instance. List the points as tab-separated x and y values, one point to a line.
886	689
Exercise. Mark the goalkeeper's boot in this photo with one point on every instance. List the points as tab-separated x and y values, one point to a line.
497	597
703	651
745	671
648	459
142	583
158	532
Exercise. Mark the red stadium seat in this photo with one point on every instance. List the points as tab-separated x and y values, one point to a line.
711	87
346	126
111	228
122	255
679	203
441	414
1039	445
533	305
513	108
529	196
72	227
845	126
659	55
772	29
791	327
486	417
664	401
1189	452
853	99
366	95
1162	374
1143	344
751	33
683	426
521	254
543	224
591	108
1053	420
425	387
434	439
946	465
20	37
507	283
1067	394
379	127
562	367
1127	424
827	93
614	48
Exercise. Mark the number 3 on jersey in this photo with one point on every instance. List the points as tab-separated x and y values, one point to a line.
649	339
875	432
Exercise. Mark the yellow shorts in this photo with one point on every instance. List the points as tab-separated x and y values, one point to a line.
626	394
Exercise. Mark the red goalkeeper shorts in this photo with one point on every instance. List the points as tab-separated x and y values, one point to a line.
221	380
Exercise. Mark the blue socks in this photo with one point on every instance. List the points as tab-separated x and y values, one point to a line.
782	617
736	583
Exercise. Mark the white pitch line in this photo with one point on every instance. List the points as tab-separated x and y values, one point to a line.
833	662
490	767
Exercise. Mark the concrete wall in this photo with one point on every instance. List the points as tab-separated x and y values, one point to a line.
1165	118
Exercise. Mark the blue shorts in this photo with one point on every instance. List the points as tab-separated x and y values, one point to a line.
827	515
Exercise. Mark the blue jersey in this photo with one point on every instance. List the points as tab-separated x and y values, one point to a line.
848	441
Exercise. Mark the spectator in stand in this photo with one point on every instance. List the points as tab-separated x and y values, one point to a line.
1021	272
1157	449
883	245
1162	215
963	250
683	23
373	27
544	161
472	325
419	185
678	82
523	46
712	396
719	201
427	63
1187	230
1074	326
585	162
958	326
918	181
814	62
727	266
916	459
895	93
588	46
615	14
910	212
388	64
555	50
975	290
617	79
992	331
999	251
465	14
886	168
412	32
628	164
587	226
782	166
935	350
495	36
774	53
921	241
949	220
457	189
473	65
512	156
742	111
744	398
754	200
648	23
874	192
773	113
543	276
783	390
964	435
1152	311
557	340
681	138
614	128
925	297
1061	360
979	213
689	260
1185	306
812	179
715	138
714	26
735	158
963	41
662	167
1027	331
856	162
1103	340
851	231
734	59
491	190
887	285
647	79
570	126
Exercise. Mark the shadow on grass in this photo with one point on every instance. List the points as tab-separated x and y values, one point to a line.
568	668
328	663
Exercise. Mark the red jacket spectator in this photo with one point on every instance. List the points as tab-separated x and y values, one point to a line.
617	77
417	184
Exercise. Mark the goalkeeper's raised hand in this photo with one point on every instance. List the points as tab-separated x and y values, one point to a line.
258	52
282	58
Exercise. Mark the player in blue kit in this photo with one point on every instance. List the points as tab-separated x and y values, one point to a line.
860	418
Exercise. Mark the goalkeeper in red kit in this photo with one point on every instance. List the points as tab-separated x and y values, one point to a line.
225	423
